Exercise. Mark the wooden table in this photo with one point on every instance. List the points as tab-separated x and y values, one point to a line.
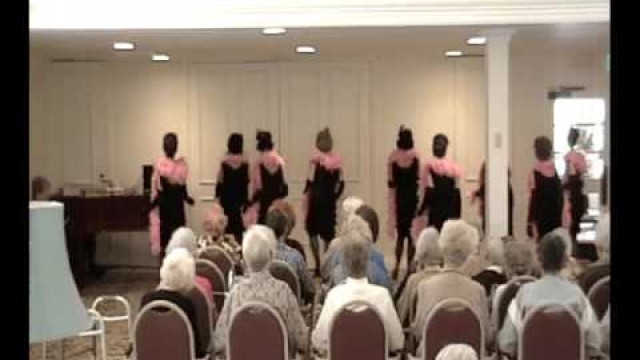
87	216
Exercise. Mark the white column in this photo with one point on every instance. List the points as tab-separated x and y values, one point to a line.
497	161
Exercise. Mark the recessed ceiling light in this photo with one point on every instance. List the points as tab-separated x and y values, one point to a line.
453	53
305	49
477	40
160	57
123	45
274	31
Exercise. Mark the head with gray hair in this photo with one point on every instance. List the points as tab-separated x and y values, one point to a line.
258	247
182	238
276	220
355	254
603	238
348	208
552	253
178	271
495	251
457	352
566	237
458	240
518	256
427	248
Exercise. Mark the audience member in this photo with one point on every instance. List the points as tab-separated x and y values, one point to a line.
457	352
349	207
493	274
214	227
258	249
552	288
356	287
457	241
572	268
287	209
184	238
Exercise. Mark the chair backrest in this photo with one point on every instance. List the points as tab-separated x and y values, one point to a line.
204	317
357	331
162	331
257	332
599	296
551	332
452	321
220	257
283	271
508	294
209	270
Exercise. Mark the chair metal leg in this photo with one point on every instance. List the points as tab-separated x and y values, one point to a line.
103	344
94	347
44	350
62	349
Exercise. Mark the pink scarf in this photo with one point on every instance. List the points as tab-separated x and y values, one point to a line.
576	161
440	166
234	160
176	171
272	161
329	161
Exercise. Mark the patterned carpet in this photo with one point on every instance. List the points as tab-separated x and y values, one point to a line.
129	283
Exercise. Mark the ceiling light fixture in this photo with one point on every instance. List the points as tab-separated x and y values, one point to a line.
123	45
274	31
305	49
160	57
477	40
453	53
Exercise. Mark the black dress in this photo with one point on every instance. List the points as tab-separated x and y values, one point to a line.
578	201
273	188
405	183
480	193
545	207
233	193
443	200
170	202
324	190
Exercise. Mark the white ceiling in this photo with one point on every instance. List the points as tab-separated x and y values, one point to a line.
246	45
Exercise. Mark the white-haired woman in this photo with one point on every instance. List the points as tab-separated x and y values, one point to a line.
429	260
457	352
177	275
458	240
349	207
258	249
493	275
184	238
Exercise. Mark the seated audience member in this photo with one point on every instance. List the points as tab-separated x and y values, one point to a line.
552	288
493	274
457	352
377	269
287	209
184	238
356	287
258	249
40	189
277	221
214	225
605	328
176	280
572	269
600	268
429	259
518	256
349	207
458	240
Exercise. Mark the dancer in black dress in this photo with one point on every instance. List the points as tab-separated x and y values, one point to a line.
441	199
479	195
168	195
403	169
573	184
232	188
545	189
323	188
266	178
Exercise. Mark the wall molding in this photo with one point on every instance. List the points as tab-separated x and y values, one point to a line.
193	14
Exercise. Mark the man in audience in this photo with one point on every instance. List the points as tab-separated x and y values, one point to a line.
176	280
277	221
552	288
288	211
458	240
184	238
429	259
493	274
600	268
377	271
258	249
349	207
518	256
355	254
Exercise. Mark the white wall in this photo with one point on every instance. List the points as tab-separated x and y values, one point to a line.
109	117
